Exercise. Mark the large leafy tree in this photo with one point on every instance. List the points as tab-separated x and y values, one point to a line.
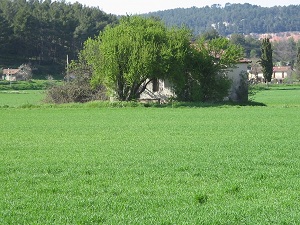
266	60
126	57
209	62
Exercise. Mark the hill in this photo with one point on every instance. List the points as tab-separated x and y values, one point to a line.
234	18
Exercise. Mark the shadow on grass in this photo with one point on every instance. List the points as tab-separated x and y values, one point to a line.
107	104
202	104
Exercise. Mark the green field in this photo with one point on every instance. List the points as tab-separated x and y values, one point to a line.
18	98
188	165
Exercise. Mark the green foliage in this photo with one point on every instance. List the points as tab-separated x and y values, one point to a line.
250	44
26	85
125	58
285	51
208	63
266	60
210	34
44	32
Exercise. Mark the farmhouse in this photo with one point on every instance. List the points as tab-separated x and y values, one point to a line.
10	74
162	91
279	74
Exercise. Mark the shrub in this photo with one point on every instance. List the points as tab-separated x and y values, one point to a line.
74	92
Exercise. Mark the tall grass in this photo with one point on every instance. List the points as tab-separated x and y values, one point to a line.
137	165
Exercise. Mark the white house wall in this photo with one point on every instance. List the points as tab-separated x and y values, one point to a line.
238	76
163	93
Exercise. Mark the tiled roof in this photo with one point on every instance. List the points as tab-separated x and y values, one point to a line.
281	68
10	71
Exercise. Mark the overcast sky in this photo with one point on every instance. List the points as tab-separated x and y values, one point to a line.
123	7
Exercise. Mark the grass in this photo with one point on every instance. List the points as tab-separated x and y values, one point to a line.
188	165
13	98
279	95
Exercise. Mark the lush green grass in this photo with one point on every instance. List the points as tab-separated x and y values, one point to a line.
279	95
19	98
202	165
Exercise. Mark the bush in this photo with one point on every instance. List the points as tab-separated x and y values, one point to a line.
74	92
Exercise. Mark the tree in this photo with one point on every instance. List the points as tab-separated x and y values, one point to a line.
5	33
126	57
285	51
206	77
266	59
25	72
298	63
32	31
77	87
238	39
210	34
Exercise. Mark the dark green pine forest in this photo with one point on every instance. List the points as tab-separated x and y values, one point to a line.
43	33
234	18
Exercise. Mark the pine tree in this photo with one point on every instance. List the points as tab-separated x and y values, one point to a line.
266	59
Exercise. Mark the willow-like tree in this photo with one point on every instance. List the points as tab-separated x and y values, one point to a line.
126	57
266	60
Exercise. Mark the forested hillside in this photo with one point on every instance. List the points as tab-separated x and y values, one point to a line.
234	18
43	33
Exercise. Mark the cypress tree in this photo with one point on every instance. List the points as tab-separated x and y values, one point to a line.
298	63
266	59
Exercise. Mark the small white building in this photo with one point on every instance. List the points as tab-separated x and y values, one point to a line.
279	74
161	90
238	91
10	74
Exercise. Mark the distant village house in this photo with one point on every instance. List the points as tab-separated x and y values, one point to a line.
279	74
24	72
10	74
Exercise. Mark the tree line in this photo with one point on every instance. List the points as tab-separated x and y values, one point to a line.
45	32
234	18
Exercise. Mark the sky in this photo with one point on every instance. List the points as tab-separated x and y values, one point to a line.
123	7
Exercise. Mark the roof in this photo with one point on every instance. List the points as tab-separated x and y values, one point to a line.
10	71
281	68
245	61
